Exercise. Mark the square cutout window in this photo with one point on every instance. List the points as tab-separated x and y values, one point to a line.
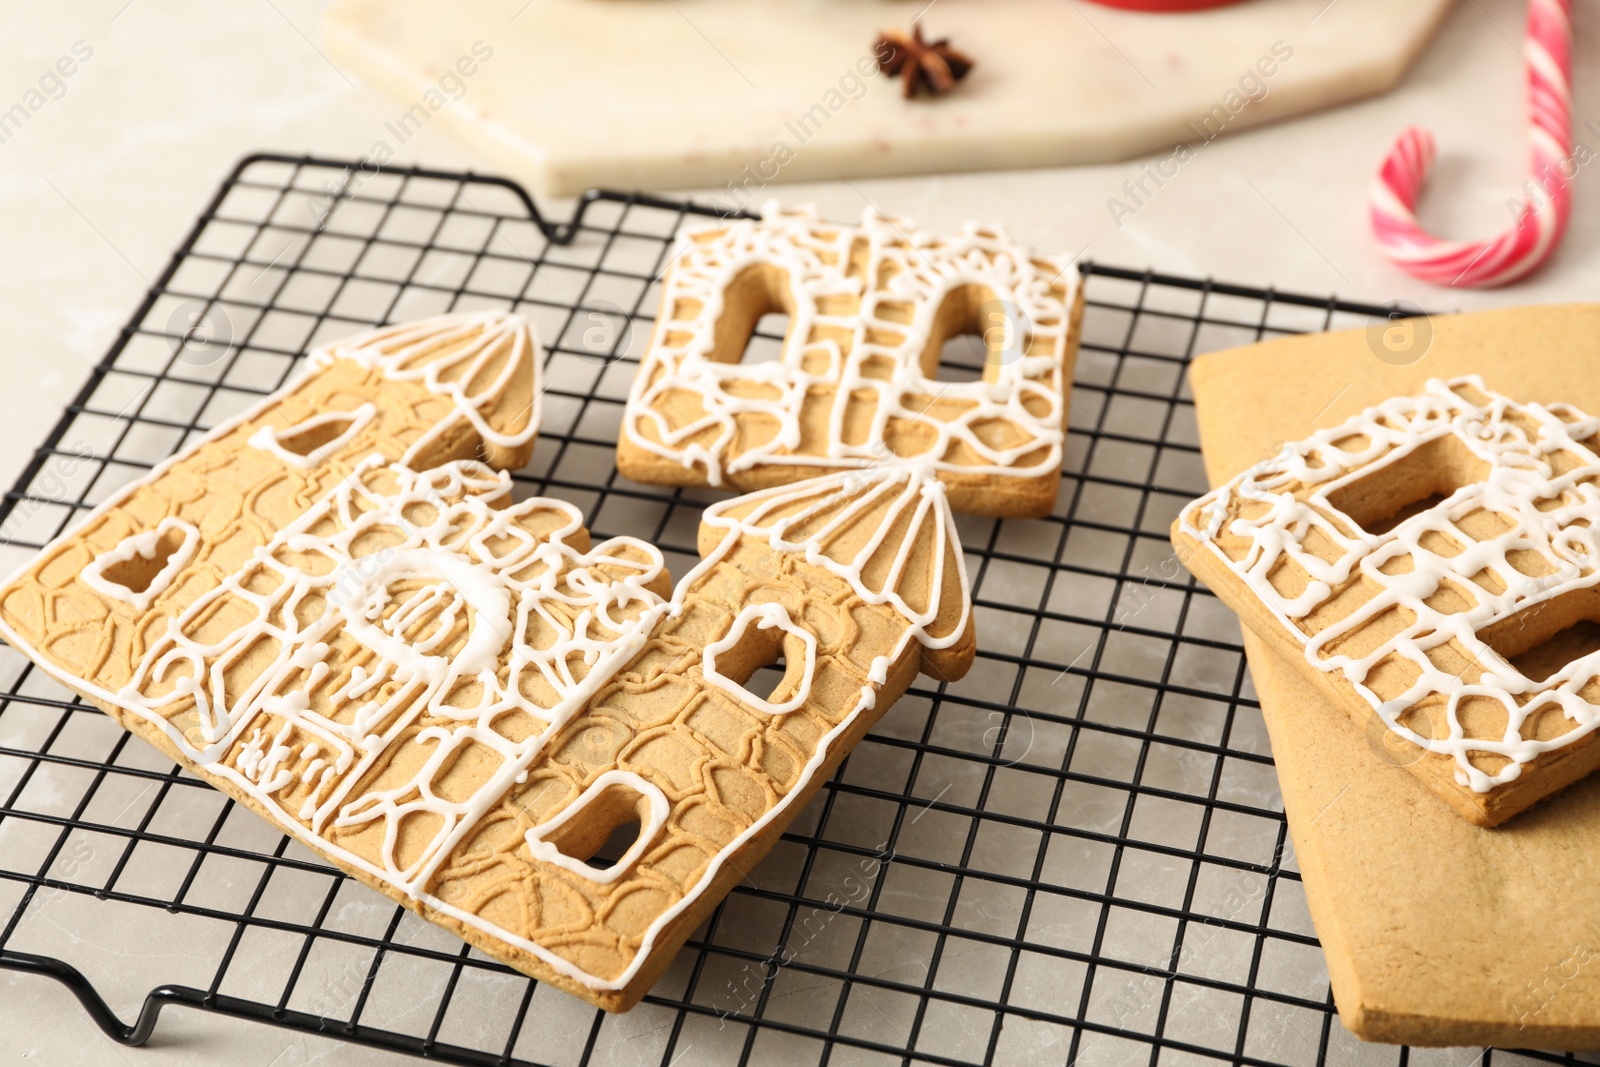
1387	495
1542	639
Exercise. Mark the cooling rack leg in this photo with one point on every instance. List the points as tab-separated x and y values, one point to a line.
98	1010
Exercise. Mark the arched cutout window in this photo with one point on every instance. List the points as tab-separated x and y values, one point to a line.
975	333
143	565
729	663
758	298
607	811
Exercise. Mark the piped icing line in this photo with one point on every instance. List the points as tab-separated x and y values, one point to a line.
271	440
143	545
1519	445
618	612
401	352
846	497
765	617
815	257
659	809
419	337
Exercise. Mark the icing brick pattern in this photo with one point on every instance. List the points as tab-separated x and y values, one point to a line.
869	308
329	611
1427	620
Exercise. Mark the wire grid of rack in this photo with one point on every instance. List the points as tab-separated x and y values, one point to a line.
1077	854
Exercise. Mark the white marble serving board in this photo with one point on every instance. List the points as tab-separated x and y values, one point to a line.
568	94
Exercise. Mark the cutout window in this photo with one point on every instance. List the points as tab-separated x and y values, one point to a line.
617	845
755	320
767	340
603	833
760	635
771	678
974	335
962	358
1388	495
143	565
309	442
1544	639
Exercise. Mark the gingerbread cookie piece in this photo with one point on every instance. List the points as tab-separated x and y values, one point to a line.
1433	565
421	393
458	699
870	308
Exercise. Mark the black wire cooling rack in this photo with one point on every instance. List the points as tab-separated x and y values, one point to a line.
1075	855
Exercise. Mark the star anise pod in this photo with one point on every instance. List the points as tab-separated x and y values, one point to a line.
932	66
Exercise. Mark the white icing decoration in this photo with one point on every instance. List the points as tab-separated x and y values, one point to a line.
271	440
1566	536
390	348
928	270
394	349
144	545
765	616
451	554
845	498
617	617
549	853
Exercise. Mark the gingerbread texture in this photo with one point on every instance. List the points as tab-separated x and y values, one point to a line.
1433	561
870	308
1437	931
329	611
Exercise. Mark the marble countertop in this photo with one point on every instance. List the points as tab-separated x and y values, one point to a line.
104	179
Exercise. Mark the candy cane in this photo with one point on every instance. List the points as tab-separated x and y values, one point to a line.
1542	217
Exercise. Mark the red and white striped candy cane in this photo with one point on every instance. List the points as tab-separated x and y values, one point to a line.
1543	216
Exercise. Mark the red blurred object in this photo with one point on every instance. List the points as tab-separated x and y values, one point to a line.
1165	6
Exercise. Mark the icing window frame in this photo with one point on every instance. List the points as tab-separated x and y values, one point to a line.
142	545
545	840
1379	497
271	440
766	617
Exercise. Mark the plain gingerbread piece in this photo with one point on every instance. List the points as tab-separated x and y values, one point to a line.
325	609
869	308
1436	931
